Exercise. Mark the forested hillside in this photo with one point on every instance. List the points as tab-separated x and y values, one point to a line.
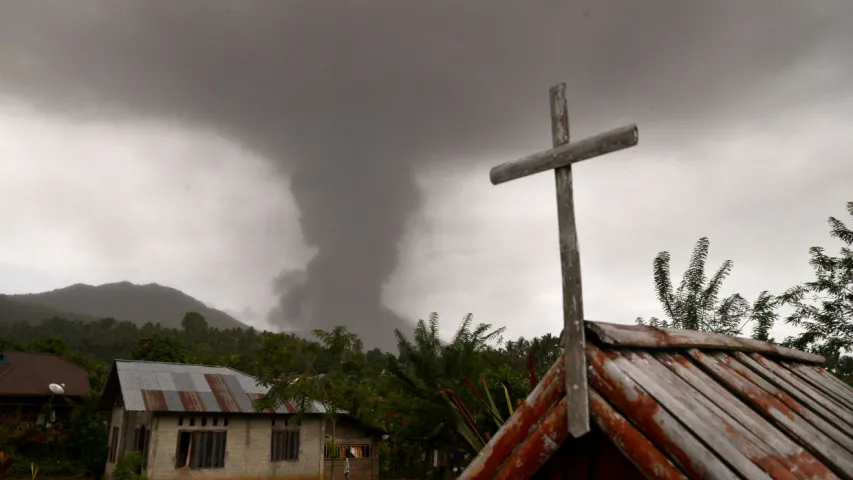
126	301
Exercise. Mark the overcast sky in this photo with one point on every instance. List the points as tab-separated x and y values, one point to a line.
219	146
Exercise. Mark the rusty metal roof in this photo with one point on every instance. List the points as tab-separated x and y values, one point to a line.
29	374
684	404
175	387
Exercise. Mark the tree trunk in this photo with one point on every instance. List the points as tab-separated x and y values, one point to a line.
334	451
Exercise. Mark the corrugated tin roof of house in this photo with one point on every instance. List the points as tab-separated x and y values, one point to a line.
29	374
175	387
686	404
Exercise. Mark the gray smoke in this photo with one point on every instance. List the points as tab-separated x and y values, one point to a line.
350	98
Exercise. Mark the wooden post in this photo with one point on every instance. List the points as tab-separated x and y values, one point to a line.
574	343
560	158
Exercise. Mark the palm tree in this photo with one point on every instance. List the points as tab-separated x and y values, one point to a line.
696	303
435	375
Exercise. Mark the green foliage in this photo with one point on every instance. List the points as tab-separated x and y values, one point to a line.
87	436
823	307
76	447
5	464
433	375
696	303
128	467
159	348
194	322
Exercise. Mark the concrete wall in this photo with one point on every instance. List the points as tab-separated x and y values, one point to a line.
247	451
348	432
116	420
127	422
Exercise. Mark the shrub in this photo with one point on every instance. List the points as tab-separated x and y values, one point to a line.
129	467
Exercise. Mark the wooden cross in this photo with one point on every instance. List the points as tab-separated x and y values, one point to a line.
560	159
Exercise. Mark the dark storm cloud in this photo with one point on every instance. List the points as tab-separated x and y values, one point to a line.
350	97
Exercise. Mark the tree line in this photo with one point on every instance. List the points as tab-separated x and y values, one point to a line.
820	308
450	395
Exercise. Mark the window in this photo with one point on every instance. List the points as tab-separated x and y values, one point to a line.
201	449
140	439
351	451
284	445
113	445
287	422
141	436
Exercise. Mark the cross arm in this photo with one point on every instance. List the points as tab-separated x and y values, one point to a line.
601	144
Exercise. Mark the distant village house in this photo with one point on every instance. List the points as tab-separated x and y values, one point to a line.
34	387
200	422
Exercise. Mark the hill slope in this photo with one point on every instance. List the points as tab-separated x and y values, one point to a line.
12	310
126	301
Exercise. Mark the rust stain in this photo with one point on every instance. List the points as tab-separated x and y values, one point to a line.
191	402
289	406
637	448
800	391
658	443
654	337
549	391
799	428
257	396
538	448
742	387
790	454
660	336
221	393
809	467
637	405
763	384
154	401
777	467
825	382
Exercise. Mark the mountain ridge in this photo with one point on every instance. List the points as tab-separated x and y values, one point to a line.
136	303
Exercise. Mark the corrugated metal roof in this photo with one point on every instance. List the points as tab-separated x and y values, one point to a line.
174	387
683	404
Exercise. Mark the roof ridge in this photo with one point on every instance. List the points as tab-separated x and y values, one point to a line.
117	360
44	354
649	337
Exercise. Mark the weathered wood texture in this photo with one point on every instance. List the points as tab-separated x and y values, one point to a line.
685	412
630	442
564	155
573	324
488	462
592	457
681	412
652	337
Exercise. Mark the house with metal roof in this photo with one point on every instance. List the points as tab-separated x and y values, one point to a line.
680	404
29	382
200	421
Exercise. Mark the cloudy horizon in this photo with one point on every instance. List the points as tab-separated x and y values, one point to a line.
219	147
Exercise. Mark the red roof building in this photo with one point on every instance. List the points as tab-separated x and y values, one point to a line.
25	380
681	404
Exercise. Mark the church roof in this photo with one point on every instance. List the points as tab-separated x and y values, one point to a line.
687	404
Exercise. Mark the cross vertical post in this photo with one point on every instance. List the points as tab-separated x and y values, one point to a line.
574	341
560	159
